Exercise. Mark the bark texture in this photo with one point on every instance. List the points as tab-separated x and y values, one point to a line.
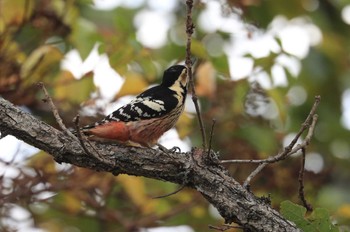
193	169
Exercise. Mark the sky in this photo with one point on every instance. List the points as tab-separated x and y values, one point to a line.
297	36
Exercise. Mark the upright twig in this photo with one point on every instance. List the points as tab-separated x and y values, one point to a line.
55	111
59	120
301	183
211	135
82	139
189	32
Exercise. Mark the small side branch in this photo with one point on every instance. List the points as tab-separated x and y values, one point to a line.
172	193
307	205
82	139
55	111
289	150
211	135
309	123
246	183
224	227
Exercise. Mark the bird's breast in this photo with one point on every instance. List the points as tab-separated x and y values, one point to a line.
147	132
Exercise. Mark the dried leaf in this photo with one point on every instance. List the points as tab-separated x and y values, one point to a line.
206	80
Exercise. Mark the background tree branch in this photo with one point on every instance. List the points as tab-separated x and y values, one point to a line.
234	203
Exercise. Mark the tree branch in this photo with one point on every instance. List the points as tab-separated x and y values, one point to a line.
234	203
189	32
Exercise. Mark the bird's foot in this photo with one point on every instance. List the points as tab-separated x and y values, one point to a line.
166	150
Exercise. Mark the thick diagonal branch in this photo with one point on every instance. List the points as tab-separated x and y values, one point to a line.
234	203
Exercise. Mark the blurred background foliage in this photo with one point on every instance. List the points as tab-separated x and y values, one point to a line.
253	121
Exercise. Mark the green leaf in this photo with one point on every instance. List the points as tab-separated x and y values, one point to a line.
278	96
221	65
296	214
84	37
265	62
318	221
43	60
198	49
259	137
68	90
321	219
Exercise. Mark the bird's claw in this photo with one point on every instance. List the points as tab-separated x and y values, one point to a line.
166	150
175	149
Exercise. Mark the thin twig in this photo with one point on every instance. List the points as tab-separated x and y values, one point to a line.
224	227
79	134
305	125
82	138
289	149
172	193
307	205
282	156
211	135
246	183
55	111
189	32
184	182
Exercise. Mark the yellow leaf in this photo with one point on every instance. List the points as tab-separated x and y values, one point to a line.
135	187
198	211
71	203
206	80
133	85
43	162
69	90
184	125
52	225
15	12
184	197
2	26
344	211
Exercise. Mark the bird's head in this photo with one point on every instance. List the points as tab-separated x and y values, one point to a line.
175	76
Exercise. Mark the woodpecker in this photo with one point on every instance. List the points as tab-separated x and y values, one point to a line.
146	118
